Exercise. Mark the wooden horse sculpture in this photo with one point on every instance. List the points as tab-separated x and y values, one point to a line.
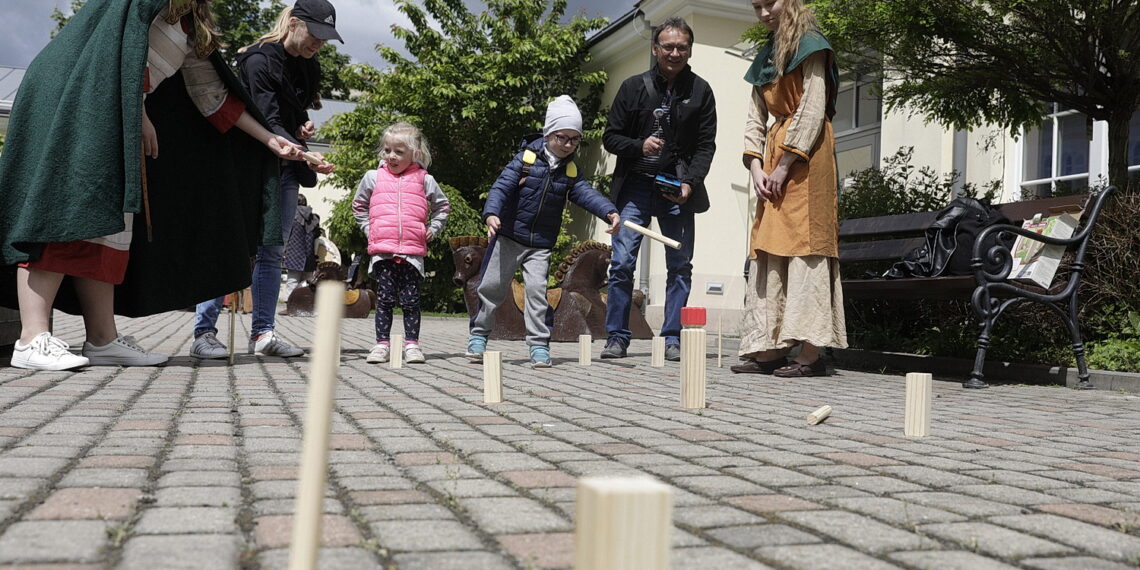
358	303
578	307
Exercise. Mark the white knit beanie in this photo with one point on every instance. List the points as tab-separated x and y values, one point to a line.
561	114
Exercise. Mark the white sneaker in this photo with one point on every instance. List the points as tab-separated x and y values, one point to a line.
270	345
46	352
413	354
123	351
378	355
208	346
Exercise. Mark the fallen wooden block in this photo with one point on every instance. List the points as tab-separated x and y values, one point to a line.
622	523
492	377
919	387
819	415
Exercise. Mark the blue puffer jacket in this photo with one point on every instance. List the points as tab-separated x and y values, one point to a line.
531	214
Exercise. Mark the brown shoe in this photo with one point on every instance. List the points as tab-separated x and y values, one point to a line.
799	370
753	366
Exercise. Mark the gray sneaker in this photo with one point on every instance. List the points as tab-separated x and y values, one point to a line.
123	351
615	348
673	352
208	346
270	345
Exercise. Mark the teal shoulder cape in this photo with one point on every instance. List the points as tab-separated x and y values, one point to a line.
763	68
71	165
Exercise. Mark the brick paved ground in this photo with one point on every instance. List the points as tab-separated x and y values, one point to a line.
194	465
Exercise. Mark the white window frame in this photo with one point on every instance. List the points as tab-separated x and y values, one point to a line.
1098	156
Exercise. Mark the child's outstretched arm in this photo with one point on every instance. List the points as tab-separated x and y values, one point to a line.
594	202
440	207
503	194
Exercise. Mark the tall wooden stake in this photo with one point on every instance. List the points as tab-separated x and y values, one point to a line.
622	523
584	347
315	442
918	391
492	377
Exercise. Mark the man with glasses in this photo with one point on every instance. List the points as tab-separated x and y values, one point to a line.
662	128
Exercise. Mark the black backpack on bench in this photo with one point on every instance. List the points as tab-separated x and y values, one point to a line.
949	243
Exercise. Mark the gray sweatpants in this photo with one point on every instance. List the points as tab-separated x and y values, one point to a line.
503	257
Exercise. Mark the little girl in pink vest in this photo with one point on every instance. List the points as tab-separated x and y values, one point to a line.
401	208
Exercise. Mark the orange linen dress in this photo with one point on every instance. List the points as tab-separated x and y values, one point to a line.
794	294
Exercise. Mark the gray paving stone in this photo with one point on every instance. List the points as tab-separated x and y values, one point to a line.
896	512
961	504
878	485
181	552
994	540
462	560
755	536
948	560
499	462
289	506
417	536
1068	563
198	520
405	512
349	558
38	467
927	476
708	516
199	479
198	497
820	557
53	541
18	488
711	557
1092	538
859	531
513	516
472	488
123	478
719	486
1005	494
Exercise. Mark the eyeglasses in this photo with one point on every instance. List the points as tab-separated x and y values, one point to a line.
681	49
565	140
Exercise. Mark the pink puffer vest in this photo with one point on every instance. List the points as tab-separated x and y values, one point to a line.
398	212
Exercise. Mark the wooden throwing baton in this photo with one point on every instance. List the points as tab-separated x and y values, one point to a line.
652	234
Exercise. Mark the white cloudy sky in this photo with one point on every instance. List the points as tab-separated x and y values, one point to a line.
363	23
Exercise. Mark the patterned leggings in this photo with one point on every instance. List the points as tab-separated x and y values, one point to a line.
397	282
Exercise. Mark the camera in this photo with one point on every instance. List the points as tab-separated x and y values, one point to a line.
667	185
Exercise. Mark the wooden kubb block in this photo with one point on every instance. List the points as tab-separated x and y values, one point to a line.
396	351
919	387
693	368
622	523
492	377
657	355
584	346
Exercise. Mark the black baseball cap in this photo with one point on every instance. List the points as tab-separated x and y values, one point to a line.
320	17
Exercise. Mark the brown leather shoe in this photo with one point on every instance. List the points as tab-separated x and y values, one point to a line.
753	366
797	370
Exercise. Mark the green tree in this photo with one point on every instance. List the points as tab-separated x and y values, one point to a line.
967	64
241	23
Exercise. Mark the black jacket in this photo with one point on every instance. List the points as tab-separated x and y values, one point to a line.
691	134
531	210
283	87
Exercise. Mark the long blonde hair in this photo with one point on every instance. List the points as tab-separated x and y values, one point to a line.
796	20
278	33
205	38
408	134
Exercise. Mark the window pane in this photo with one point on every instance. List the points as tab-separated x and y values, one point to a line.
870	106
1039	152
1074	145
844	111
1035	191
852	160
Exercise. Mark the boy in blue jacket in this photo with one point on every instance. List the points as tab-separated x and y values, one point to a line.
523	214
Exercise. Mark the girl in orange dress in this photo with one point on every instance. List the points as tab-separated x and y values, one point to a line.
794	295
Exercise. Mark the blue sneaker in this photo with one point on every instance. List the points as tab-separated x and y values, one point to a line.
476	346
540	357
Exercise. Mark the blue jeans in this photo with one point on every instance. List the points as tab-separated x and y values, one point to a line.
266	271
639	203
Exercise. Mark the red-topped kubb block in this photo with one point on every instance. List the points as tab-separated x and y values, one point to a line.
693	317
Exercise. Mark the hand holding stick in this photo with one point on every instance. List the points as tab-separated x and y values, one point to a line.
652	235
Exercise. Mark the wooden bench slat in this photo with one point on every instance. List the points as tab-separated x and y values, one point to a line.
899	223
890	249
953	287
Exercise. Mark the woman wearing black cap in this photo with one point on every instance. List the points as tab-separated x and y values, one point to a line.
283	77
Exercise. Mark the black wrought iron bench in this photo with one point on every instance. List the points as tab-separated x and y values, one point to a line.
888	238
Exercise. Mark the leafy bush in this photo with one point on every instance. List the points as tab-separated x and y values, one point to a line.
899	188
